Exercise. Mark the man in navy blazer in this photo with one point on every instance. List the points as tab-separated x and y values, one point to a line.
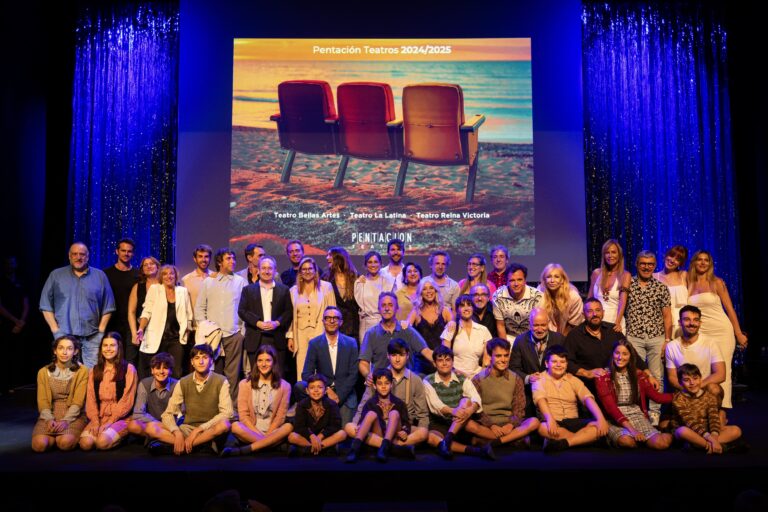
266	308
342	374
527	359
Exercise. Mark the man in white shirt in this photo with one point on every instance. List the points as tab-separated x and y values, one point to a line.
194	280
395	253
691	347
512	304
217	302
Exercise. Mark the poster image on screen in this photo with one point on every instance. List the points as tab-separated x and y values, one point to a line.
358	116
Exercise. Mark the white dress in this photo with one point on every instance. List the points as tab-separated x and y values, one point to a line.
610	302
679	295
719	330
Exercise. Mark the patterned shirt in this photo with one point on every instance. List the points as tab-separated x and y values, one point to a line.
513	312
644	308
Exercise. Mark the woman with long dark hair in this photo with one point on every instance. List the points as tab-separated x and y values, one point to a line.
110	395
624	392
342	275
61	389
262	401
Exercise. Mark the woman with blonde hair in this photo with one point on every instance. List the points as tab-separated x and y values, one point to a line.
430	316
165	322
610	284
310	296
561	299
476	274
709	293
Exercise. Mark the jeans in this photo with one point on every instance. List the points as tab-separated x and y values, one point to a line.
89	348
649	350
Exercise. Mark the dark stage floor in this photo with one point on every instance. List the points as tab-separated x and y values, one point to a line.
624	480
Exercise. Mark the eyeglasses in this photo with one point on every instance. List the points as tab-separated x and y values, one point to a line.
331	319
474	264
480	295
309	270
647	264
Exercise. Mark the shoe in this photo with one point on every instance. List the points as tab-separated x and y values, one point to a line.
737	446
654	417
555	445
483	452
354	451
522	444
407	451
444	451
159	448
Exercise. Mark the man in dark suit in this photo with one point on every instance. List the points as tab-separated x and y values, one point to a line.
527	359
333	355
266	308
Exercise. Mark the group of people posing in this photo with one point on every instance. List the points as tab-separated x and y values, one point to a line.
463	366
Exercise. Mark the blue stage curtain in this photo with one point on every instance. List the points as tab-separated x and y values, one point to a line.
122	179
658	162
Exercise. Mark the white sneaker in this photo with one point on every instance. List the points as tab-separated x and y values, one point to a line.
654	417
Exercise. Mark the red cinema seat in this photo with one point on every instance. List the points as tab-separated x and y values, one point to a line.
307	120
367	126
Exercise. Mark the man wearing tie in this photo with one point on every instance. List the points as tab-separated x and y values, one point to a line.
265	307
527	359
333	355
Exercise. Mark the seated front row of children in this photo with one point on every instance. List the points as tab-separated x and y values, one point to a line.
466	416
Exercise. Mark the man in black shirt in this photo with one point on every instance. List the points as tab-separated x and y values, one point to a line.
483	315
122	276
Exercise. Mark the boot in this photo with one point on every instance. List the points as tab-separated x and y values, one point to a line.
383	452
405	451
354	451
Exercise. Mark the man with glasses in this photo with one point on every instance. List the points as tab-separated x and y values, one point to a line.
266	308
334	356
649	319
483	311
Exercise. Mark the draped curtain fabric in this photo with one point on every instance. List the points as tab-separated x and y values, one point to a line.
658	163
122	176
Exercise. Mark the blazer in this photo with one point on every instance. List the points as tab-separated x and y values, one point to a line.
156	311
524	360
245	410
325	298
319	361
251	311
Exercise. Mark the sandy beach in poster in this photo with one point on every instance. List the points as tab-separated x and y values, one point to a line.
266	211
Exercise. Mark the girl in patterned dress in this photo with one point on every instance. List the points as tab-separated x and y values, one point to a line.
110	396
60	398
624	393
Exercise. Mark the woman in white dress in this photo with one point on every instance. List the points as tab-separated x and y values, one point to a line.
610	284
368	287
561	299
709	293
675	278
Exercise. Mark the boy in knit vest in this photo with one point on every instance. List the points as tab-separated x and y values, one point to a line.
152	396
557	395
452	400
207	406
503	399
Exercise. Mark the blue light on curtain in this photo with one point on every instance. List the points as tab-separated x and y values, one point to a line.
124	131
659	168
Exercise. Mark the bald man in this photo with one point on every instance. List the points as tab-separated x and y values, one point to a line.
77	301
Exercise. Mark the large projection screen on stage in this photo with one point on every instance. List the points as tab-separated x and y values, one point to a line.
520	69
